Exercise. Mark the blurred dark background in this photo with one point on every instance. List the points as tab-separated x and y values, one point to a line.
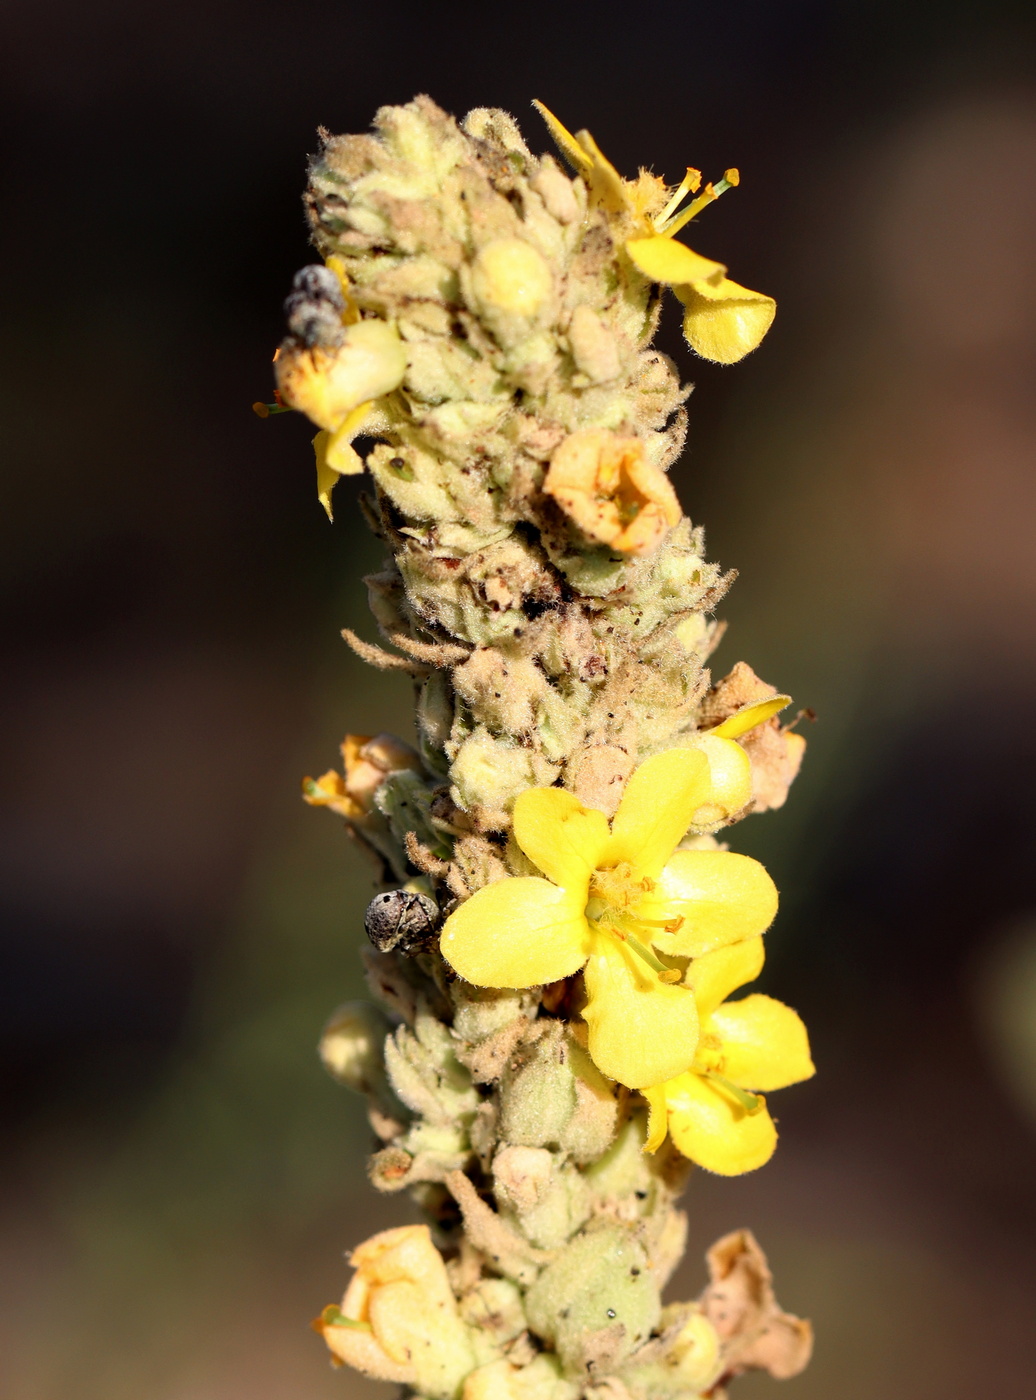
179	1179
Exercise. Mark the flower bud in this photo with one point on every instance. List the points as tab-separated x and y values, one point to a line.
731	776
686	1360
538	1097
501	1380
597	1297
521	1176
489	773
352	1047
511	276
695	1353
593	346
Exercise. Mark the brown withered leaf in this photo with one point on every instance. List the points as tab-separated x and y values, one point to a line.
739	1302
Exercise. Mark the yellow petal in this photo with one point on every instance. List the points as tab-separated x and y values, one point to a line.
765	1045
656	808
730	775
712	1129
664	260
397	1311
342	457
722	898
336	455
724	321
559	835
658	1117
741	721
642	1031
327	478
606	184
327	385
565	141
714	976
517	932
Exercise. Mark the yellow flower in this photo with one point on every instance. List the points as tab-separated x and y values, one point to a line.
615	898
336	386
367	762
723	321
606	485
714	1112
329	384
399	1320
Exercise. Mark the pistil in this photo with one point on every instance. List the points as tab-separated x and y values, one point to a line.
751	1103
623	927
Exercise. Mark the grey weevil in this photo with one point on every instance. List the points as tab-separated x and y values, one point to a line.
401	920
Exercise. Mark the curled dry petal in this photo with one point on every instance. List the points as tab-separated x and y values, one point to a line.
605	484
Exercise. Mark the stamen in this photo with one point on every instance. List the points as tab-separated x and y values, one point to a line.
267	410
670	925
710	193
751	1103
690	184
669	975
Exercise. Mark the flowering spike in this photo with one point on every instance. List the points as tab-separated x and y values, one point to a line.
560	930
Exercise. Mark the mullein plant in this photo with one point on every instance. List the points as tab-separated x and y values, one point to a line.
560	923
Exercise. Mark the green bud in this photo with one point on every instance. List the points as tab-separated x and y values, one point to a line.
562	1208
405	800
592	1126
489	773
626	1170
597	1301
538	1095
481	1011
427	1075
494	1306
352	1046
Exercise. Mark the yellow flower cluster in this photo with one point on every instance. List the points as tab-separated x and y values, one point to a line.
661	934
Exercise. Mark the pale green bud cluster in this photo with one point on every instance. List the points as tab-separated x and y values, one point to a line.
542	656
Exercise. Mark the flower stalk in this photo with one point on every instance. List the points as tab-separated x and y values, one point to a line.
560	921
